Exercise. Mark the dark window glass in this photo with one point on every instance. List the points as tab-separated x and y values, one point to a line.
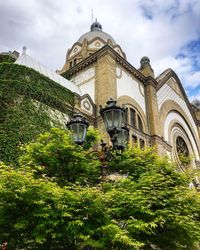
134	139
126	116
70	64
132	117
75	61
140	125
142	144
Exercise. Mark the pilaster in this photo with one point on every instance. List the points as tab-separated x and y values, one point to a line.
153	120
105	80
105	87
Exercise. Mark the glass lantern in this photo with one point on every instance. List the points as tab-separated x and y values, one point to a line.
113	117
78	127
122	138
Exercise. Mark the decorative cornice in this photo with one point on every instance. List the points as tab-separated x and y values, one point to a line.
93	58
164	80
162	141
151	81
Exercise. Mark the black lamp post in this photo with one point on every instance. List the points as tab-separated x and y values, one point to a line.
113	117
78	127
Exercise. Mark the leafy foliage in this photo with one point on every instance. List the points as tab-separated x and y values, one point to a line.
134	162
21	120
152	208
38	214
55	155
92	137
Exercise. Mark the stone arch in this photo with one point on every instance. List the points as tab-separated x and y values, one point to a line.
175	125
169	106
127	100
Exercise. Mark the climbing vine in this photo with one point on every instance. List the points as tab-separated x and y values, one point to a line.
21	120
6	58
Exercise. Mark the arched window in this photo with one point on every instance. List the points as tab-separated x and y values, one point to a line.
126	116
75	61
142	144
140	125
182	152
132	118
134	139
181	147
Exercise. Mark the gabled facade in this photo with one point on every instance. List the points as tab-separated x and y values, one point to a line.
158	111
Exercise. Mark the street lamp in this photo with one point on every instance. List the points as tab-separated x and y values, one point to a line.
78	127
113	117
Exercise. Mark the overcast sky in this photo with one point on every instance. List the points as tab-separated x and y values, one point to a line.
167	31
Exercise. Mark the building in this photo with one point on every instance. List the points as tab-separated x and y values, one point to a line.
158	112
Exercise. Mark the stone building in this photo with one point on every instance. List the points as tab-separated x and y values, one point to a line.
158	112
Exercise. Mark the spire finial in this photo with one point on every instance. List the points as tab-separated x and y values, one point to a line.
24	50
92	15
96	26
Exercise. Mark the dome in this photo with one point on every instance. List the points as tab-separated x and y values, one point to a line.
96	31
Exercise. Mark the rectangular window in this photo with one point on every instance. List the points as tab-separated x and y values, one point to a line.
142	143
140	126
132	117
126	116
134	139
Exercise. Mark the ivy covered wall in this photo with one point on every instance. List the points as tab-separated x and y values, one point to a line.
30	103
7	58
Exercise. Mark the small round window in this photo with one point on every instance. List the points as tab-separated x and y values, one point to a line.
181	147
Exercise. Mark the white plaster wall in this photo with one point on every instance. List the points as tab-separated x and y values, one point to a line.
126	85
75	50
83	76
88	88
93	46
174	117
167	93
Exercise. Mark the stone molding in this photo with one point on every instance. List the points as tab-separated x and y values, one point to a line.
169	106
101	52
170	73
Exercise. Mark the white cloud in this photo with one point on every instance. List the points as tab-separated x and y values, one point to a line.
156	28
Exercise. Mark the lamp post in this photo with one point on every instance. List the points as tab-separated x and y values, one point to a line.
113	117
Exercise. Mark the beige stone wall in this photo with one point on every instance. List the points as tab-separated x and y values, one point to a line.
105	82
105	87
153	120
